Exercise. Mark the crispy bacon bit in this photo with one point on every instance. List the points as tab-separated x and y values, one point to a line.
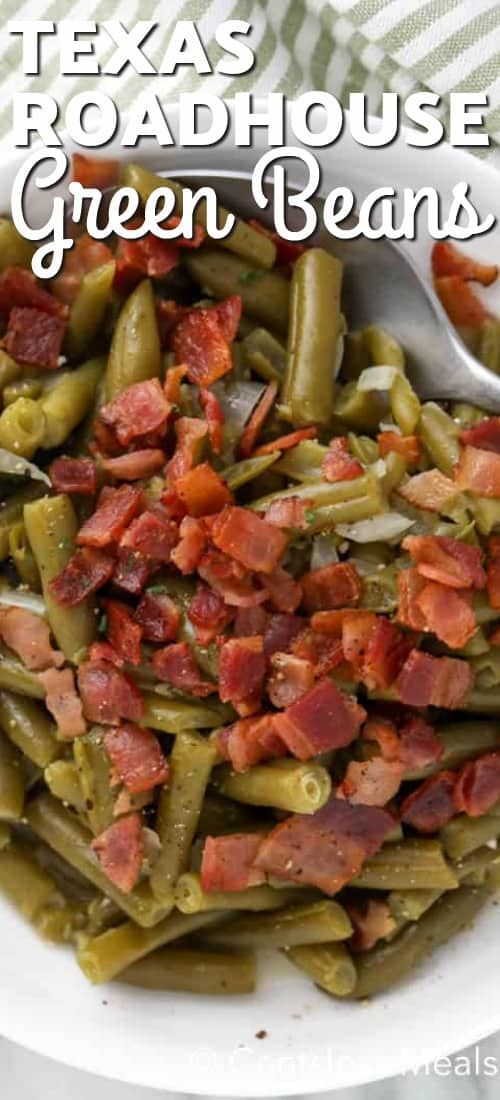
434	681
335	585
124	635
447	259
478	471
228	314
73	475
448	613
115	510
29	636
132	571
407	446
231	580
250	741
242	668
257	420
460	302
285	593
151	535
485	435
251	620
279	633
285	442
287	252
338	464
190	434
176	665
245	536
108	694
136	756
103	651
215	419
357	628
208	614
98	172
431	805
419	744
19	288
371	922
34	337
227	862
323	719
446	560
430	490
191	546
290	679
371	782
86	255
136	465
86	572
290	512
136	412
493	572
158	617
385	653
410	585
477	788
62	701
199	341
326	849
202	491
120	852
175	375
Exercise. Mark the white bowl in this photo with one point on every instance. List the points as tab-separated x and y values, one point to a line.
203	1045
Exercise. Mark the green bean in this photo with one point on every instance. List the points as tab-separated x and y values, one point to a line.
89	309
11	511
388	963
265	294
410	905
439	434
15	250
405	405
307	391
488	345
412	864
193	971
20	552
464	834
264	354
284	784
345	511
11	782
62	780
22	427
317	922
380	590
360	410
191	763
483	611
29	727
5	835
102	914
482	702
382	348
355	358
68	400
94	772
476	867
303	462
467	415
15	677
329	965
363	448
320	494
61	925
461	741
21	387
222	815
51	526
61	830
27	886
240	473
243	240
10	370
135	353
191	898
174	716
486	513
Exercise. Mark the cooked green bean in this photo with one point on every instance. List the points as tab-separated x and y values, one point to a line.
302	462
488	345
221	815
307	391
191	898
94	772
264	354
174	715
135	353
10	370
29	727
464	834
382	349
317	922
461	741
360	410
321	494
11	511
475	868
15	677
410	905
439	434
193	971
412	864
249	468
27	886
102	914
22	427
286	784
88	310
329	965
62	780
15	250
21	387
20	552
68	400
11	782
265	294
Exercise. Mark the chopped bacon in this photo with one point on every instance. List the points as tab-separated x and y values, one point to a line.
208	614
231	580
289	680
371	782
85	255
328	654
250	741
324	718
448	613
202	491
86	572
372	922
290	512
279	633
98	172
460	302
477	788
287	252
198	341
151	256
29	636
447	259
285	442
430	490
493	572
124	635
131	572
410	585
285	593
191	546
34	337
244	535
136	465
158	617
175	375
257	419
251	620
227	862
73	475
115	510
242	668
434	681
228	314
407	446
215	419
151	535
190	434
19	288
485	435
335	585
357	629
385	653
136	756
139	410
478	471
419	744
108	694
431	805
446	560
103	651
120	851
176	665
338	464
63	702
325	849
330	623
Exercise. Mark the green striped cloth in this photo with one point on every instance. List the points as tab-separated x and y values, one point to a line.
336	45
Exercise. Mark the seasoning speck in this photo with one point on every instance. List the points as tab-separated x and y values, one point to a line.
261	1034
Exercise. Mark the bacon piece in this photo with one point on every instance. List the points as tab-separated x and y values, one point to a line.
325	849
19	288
478	471
338	464
115	510
493	572
98	172
136	756
448	613
34	337
199	341
446	560
250	620
477	788
290	679
190	548
419	744
446	259
124	635
357	628
228	314
208	614
372	922
108	694
242	668
460	302
485	435
279	633
29	636
371	782
431	805
290	512
434	681
132	571
430	490
285	593
202	491
287	252
285	442
335	585
243	535
120	852
323	719
215	419
227	862
103	651
256	422
73	475
176	665
138	411
151	535
175	375
385	653
250	741
136	465
233	582
407	446
158	617
190	434
410	585
62	701
86	572
86	255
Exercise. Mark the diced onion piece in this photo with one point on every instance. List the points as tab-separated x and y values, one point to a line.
388	525
324	551
238	400
30	601
377	378
14	466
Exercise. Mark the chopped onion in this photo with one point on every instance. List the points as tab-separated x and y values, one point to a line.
324	551
30	601
379	468
14	466
238	400
388	525
377	378
389	426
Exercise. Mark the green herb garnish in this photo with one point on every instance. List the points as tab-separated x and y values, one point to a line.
157	589
310	516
